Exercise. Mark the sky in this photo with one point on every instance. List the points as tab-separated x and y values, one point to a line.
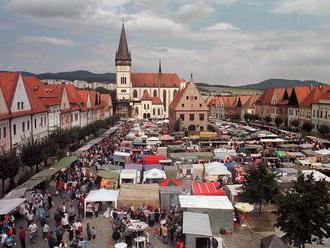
230	42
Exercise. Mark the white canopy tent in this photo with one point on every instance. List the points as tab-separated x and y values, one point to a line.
316	174
215	169
8	205
129	174
153	174
323	152
101	195
152	141
222	153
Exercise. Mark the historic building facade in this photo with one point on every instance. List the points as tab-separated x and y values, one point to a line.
132	89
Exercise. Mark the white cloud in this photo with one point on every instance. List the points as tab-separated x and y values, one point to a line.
222	26
193	12
47	40
311	7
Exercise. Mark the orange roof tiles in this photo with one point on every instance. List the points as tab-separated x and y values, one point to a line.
146	96
169	80
156	100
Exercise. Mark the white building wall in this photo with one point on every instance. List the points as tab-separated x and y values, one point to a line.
40	125
83	119
17	133
4	135
54	121
75	119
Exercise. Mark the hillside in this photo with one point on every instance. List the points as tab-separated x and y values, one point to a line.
279	83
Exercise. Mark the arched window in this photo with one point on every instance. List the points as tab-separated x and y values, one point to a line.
158	111
154	111
135	94
164	99
174	93
155	93
136	111
145	92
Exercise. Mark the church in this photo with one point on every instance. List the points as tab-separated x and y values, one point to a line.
142	95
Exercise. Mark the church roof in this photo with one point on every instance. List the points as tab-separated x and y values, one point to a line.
154	80
123	53
146	96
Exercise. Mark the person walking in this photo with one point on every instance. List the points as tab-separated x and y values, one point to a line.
45	230
21	236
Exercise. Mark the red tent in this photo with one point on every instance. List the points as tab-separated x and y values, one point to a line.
209	188
153	159
170	182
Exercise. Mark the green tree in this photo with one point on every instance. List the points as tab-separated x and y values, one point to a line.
255	117
324	130
303	212
9	166
278	121
248	117
267	119
33	153
295	123
260	185
307	126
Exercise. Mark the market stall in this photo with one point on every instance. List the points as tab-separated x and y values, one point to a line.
214	170
208	188
138	194
100	195
153	176
129	176
8	205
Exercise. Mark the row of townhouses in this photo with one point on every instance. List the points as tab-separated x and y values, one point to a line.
31	108
82	84
302	103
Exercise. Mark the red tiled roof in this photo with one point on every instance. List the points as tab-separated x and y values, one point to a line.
301	93
315	94
177	97
30	86
8	82
156	100
169	80
106	99
146	96
73	95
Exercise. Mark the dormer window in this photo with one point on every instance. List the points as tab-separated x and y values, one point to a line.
20	105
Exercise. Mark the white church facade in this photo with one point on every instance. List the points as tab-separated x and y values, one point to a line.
142	95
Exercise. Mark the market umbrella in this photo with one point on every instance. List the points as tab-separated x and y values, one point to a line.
166	137
244	207
170	182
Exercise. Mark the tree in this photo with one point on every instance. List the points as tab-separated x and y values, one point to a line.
260	185
303	212
211	128
278	121
177	125
324	129
33	153
267	119
307	126
9	166
255	117
295	123
247	117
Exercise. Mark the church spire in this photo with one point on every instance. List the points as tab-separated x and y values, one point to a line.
123	56
160	67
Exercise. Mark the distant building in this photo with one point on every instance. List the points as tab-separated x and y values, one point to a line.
189	106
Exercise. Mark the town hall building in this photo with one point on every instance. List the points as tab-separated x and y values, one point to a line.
142	95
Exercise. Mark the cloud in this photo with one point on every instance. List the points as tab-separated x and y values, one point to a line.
193	12
47	40
222	26
310	7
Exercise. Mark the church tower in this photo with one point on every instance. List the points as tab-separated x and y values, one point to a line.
123	69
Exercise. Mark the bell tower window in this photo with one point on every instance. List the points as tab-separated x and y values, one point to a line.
123	80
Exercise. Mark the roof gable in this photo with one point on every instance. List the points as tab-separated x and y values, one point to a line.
65	104
20	96
3	104
189	98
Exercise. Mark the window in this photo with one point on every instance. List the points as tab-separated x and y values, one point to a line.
182	105
4	132
164	100
14	129
18	105
155	93
28	125
135	94
182	117
154	111
200	105
201	117
159	111
201	128
148	106
23	126
195	97
35	123
123	80
76	117
144	106
123	91
187	97
22	105
191	117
